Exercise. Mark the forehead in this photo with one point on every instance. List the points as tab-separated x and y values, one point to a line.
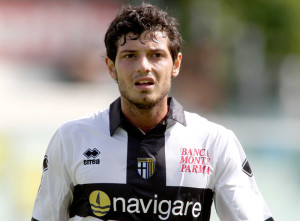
152	40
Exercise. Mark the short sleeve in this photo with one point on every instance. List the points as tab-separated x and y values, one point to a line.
55	193
236	194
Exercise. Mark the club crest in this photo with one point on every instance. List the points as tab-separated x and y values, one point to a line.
145	167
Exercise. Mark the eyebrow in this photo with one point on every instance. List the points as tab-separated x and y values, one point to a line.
133	51
127	51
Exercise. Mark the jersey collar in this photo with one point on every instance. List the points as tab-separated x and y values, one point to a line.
116	116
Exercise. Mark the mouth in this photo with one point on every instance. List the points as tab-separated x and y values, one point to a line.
144	83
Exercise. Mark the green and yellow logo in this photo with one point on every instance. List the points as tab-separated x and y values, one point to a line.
100	203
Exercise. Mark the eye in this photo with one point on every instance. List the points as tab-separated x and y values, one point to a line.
156	55
128	56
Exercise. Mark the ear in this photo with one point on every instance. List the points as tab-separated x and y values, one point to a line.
111	68
176	66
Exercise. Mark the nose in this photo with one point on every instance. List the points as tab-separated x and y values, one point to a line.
144	66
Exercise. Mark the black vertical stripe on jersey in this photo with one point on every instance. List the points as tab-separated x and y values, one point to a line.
150	145
270	219
33	219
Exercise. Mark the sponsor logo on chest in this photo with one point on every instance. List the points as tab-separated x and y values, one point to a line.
101	204
194	160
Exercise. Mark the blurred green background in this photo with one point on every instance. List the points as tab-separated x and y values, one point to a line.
241	69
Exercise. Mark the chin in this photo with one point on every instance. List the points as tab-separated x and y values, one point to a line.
147	102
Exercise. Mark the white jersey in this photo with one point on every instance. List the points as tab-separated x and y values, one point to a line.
104	168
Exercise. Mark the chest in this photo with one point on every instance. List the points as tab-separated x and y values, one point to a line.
160	160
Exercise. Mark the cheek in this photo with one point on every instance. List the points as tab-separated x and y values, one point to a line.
125	71
166	73
165	66
123	81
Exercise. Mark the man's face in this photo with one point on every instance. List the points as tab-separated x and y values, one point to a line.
143	69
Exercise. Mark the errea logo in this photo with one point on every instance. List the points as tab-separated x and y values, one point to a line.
91	153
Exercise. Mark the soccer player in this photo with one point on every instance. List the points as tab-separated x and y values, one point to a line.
145	158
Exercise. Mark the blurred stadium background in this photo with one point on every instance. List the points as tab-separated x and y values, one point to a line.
241	69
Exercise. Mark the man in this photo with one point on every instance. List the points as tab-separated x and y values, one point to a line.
145	158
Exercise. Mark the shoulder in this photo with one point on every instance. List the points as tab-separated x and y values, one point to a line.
199	124
222	142
96	121
211	134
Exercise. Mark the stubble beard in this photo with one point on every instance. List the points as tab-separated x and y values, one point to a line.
143	103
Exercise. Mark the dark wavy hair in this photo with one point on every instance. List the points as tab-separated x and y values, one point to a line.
137	19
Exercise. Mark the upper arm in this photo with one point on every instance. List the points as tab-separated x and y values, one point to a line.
55	192
236	194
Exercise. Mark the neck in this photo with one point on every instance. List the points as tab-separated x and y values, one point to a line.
145	119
